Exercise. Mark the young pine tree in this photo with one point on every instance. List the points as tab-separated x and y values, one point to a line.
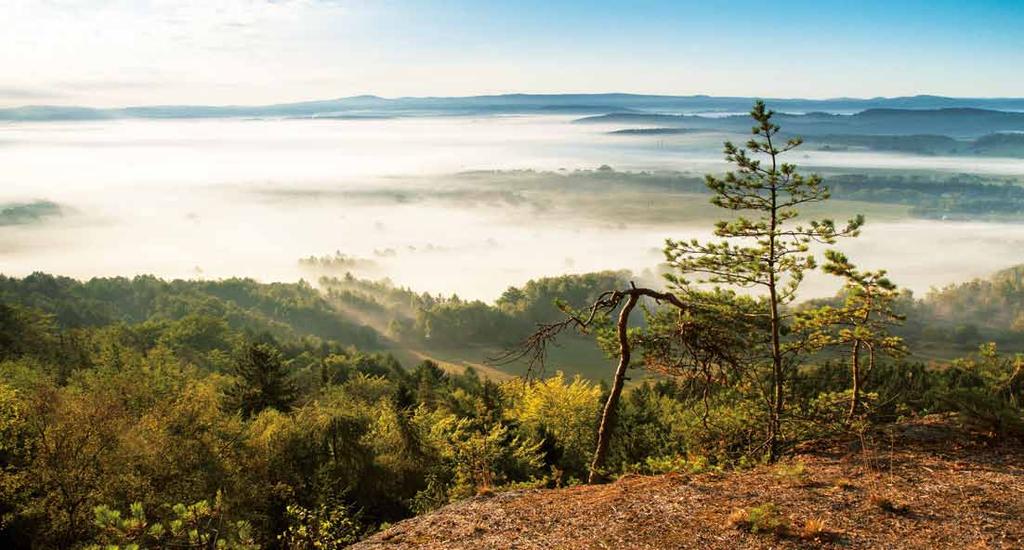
263	381
862	322
761	248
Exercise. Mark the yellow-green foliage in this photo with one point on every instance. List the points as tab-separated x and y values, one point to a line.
12	415
792	472
325	528
343	438
126	413
198	525
480	457
567	411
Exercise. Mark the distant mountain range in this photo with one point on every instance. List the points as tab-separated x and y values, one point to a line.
959	122
368	106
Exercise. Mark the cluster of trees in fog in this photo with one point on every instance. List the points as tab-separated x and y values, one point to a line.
959	196
991	145
421	318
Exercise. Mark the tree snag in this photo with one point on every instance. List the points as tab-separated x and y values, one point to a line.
534	350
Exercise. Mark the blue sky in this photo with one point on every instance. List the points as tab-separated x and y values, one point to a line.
116	52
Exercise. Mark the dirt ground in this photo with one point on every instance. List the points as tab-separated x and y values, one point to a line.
920	485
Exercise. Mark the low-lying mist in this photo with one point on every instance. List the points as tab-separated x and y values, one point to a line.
419	201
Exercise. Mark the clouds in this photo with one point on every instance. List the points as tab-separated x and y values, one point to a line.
16	94
264	51
169	51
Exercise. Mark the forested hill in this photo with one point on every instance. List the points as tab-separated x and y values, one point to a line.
373	316
288	311
377	316
265	414
958	122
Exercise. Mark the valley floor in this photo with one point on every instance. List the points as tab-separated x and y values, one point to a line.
924	484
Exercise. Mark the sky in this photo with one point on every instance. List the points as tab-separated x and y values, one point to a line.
144	52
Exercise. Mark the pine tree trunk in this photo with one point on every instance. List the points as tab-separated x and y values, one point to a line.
604	430
855	372
778	382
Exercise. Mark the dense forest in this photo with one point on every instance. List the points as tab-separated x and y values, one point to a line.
172	397
235	414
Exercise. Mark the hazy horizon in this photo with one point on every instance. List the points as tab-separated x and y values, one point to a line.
242	190
120	52
510	93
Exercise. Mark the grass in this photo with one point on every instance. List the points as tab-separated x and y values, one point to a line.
813	529
452	361
678	464
572	356
763	519
844	484
886	504
793	473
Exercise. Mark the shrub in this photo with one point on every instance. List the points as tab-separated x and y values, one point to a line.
792	473
765	518
479	458
199	525
324	528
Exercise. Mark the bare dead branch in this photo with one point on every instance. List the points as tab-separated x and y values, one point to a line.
533	348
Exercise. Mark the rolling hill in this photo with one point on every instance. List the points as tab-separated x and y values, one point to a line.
508	104
952	122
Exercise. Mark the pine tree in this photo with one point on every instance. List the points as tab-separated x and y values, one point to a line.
263	381
862	322
766	251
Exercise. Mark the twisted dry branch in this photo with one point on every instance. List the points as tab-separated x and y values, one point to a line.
534	349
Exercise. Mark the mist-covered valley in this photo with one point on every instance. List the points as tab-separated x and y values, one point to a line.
658	274
452	204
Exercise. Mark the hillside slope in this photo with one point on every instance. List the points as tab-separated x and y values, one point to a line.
923	485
